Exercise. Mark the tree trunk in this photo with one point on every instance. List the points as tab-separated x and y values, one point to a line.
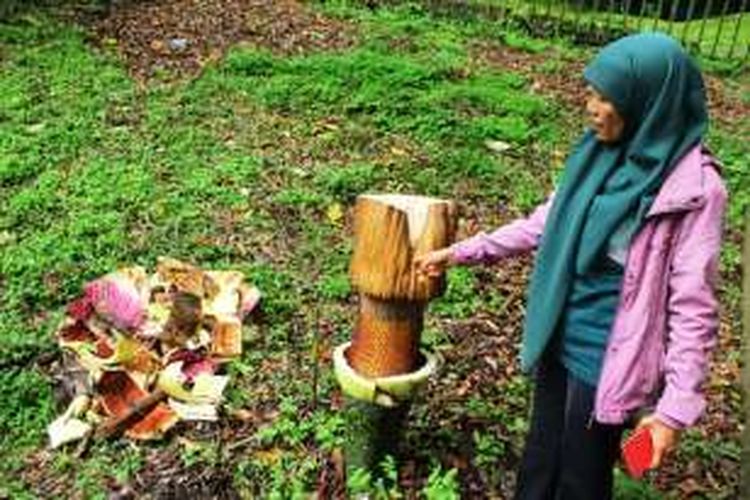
389	231
745	462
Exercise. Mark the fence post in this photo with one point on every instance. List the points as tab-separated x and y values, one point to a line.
673	15
740	16
657	16
745	456
591	17
577	21
626	14
720	28
641	15
706	9
691	11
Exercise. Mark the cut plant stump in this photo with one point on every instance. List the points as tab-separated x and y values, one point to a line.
382	368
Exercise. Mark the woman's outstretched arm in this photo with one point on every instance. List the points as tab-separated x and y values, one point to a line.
517	237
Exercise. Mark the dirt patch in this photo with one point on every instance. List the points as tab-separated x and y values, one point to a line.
43	483
166	476
725	106
550	74
179	37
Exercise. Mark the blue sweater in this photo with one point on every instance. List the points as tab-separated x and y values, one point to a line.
587	320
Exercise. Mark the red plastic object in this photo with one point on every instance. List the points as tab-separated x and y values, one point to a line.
637	452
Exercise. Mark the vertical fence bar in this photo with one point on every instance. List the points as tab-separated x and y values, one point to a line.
690	12
736	35
591	19
641	16
577	22
560	25
706	9
673	15
626	14
490	14
658	15
608	21
506	17
720	28
555	18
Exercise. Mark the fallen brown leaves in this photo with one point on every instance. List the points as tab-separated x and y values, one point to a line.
179	37
565	84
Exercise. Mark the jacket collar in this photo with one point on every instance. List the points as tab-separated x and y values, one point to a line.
683	188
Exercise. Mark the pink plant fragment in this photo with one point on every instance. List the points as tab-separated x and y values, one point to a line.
193	364
249	299
118	301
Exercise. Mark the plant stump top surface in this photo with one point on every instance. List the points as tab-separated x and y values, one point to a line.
389	231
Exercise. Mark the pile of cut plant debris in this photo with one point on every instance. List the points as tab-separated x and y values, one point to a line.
142	352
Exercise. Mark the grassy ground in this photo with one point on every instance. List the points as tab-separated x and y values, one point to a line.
254	165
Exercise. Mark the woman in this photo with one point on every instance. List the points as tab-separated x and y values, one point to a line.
621	311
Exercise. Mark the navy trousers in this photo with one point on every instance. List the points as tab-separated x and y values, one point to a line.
568	456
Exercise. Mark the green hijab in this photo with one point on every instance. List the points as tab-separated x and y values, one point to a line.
607	189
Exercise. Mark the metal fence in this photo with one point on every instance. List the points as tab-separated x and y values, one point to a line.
717	29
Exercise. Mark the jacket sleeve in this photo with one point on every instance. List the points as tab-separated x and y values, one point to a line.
520	236
692	311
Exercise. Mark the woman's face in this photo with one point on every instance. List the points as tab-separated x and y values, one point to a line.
606	122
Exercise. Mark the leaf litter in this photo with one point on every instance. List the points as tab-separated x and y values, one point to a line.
180	37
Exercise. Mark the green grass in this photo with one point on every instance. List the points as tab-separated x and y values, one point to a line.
254	165
626	488
396	94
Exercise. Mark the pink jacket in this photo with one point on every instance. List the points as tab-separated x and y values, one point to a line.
667	318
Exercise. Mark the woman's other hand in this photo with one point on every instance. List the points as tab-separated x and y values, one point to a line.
663	437
434	263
